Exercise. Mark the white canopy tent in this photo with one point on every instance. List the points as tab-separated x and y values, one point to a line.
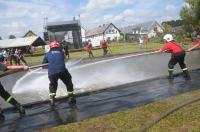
22	42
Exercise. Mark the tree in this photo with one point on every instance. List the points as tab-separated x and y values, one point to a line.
167	28
190	15
11	36
174	23
0	38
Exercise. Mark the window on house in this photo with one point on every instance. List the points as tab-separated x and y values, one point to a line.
155	29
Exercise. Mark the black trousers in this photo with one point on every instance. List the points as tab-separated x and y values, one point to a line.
66	79
90	54
12	58
23	60
105	51
7	97
4	94
177	58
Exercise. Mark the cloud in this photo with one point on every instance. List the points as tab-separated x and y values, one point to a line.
13	28
17	9
125	14
170	7
23	16
19	16
186	5
105	4
13	25
165	18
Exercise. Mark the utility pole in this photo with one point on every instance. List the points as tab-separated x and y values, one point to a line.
80	33
46	36
45	24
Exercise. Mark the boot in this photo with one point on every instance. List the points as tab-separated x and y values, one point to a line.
17	105
21	110
72	100
2	118
187	75
170	75
52	100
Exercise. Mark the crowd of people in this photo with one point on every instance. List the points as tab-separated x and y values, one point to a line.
12	56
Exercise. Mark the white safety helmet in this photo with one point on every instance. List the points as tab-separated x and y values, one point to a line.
168	37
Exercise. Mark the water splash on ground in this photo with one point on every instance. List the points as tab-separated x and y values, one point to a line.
35	83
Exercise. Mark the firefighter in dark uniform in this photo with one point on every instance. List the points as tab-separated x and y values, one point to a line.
57	70
178	56
5	95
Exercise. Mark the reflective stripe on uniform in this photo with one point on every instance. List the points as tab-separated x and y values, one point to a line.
52	94
70	92
8	100
170	69
184	69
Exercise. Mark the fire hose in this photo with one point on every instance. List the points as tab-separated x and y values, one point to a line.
164	115
8	72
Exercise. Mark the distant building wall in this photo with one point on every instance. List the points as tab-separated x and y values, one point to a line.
95	40
83	34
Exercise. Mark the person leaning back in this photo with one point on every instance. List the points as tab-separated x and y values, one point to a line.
178	56
57	70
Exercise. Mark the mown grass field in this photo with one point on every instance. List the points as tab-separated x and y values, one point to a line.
114	48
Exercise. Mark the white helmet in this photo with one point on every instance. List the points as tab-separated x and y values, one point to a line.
168	37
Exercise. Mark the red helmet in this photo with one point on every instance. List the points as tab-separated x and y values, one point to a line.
54	44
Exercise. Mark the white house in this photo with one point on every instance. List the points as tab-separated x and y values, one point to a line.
106	31
139	31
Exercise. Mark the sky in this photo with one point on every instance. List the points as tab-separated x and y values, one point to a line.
20	16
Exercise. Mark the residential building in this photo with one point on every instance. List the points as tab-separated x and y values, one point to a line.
29	34
139	31
25	43
108	32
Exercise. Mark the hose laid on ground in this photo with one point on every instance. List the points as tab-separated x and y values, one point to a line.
144	129
8	72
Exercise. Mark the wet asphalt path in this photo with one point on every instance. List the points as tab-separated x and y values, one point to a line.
93	104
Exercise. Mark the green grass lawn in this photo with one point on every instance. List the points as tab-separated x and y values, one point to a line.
121	48
186	119
116	48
